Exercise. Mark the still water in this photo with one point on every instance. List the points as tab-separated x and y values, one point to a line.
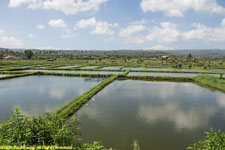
90	67
132	68
37	94
68	67
111	68
193	70
3	75
68	71
168	74
161	69
160	115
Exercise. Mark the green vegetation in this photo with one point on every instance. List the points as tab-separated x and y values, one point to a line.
214	140
43	130
28	54
211	81
70	108
51	129
46	129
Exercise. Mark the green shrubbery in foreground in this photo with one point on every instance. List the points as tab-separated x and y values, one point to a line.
214	140
43	130
51	129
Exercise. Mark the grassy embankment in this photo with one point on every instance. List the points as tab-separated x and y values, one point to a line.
210	81
70	108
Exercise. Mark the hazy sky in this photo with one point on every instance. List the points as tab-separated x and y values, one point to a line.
112	24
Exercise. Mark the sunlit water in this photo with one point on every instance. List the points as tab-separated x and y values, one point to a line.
111	68
68	71
161	69
132	68
3	75
193	70
168	74
37	94
68	67
90	67
160	115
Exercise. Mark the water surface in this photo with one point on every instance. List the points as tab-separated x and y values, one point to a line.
111	67
193	70
69	71
160	115
168	74
160	69
37	94
68	67
90	67
132	68
3	75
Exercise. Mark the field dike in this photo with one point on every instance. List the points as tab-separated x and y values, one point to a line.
70	108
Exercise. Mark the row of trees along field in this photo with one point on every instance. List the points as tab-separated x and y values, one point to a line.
124	56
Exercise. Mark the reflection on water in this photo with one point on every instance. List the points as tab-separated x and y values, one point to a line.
132	68
89	67
3	75
193	70
37	94
168	74
67	67
163	69
218	70
110	68
68	71
160	115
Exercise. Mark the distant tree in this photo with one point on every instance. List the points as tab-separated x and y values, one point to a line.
190	66
28	54
189	57
1	55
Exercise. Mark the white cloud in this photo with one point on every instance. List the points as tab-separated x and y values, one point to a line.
108	39
142	21
8	41
100	27
2	32
128	31
136	40
159	47
58	23
67	33
30	35
86	23
189	119
40	26
69	7
168	33
177	8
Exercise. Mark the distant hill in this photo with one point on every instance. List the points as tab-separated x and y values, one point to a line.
139	53
199	53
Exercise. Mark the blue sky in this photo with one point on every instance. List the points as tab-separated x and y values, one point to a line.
112	24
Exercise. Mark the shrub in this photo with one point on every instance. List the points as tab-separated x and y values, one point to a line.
214	140
47	129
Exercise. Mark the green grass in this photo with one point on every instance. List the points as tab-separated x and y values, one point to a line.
70	108
211	81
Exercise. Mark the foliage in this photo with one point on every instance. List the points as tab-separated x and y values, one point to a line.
28	54
47	129
136	145
94	146
214	140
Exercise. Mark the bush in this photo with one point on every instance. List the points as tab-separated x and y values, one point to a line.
47	129
214	140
